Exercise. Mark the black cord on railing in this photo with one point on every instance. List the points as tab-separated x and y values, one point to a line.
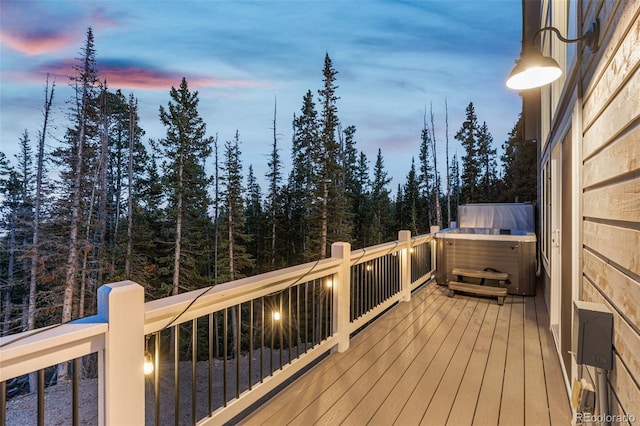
35	333
184	311
177	317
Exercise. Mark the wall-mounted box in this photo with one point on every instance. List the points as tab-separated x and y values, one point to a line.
593	334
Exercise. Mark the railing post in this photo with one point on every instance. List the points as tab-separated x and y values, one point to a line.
342	294
404	241
121	304
434	247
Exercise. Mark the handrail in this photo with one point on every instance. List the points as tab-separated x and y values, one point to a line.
28	352
159	313
32	351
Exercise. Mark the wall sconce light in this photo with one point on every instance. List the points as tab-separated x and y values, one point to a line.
533	69
149	362
276	315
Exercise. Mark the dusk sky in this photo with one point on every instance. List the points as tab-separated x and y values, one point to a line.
393	58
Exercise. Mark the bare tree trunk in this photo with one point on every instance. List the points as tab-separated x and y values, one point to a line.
35	260
6	311
446	122
216	212
101	231
435	171
72	258
274	187
85	256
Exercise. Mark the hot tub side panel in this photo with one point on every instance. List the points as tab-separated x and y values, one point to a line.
517	258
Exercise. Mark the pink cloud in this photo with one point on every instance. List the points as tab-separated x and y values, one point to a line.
125	75
146	78
37	43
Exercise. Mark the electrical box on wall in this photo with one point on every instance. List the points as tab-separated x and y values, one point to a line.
593	334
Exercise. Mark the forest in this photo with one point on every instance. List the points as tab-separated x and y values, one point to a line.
106	204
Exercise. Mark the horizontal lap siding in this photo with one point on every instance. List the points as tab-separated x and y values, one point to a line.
611	195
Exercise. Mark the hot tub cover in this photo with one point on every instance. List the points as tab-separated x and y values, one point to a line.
497	216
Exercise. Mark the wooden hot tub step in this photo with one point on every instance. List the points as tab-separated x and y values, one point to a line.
473	273
483	290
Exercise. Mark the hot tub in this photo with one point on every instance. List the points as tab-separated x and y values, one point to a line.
505	242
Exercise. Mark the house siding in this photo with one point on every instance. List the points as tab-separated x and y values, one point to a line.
595	108
610	198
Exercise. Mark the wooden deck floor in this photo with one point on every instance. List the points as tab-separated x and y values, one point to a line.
435	361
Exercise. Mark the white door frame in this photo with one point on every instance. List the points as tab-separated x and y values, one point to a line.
555	257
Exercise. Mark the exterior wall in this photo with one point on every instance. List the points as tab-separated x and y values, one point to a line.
595	109
611	190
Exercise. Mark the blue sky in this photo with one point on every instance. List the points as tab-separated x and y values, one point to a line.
393	58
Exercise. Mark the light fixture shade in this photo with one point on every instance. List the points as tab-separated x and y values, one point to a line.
533	70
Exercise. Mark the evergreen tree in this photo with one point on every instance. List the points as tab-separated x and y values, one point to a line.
236	261
77	161
349	189
254	218
185	148
328	206
10	206
39	199
436	181
455	187
520	167
299	211
381	222
274	178
486	159
411	200
361	202
426	177
467	136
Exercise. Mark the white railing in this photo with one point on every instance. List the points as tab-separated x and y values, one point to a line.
348	290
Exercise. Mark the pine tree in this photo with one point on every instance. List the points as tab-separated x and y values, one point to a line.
185	148
328	204
237	261
10	205
78	182
37	206
411	200
380	204
359	192
446	150
436	181
455	187
254	218
470	168
426	176
486	159
274	177
519	161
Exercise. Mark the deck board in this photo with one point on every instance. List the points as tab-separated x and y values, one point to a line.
512	401
535	392
555	385
435	360
487	408
442	401
373	404
407	379
467	395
